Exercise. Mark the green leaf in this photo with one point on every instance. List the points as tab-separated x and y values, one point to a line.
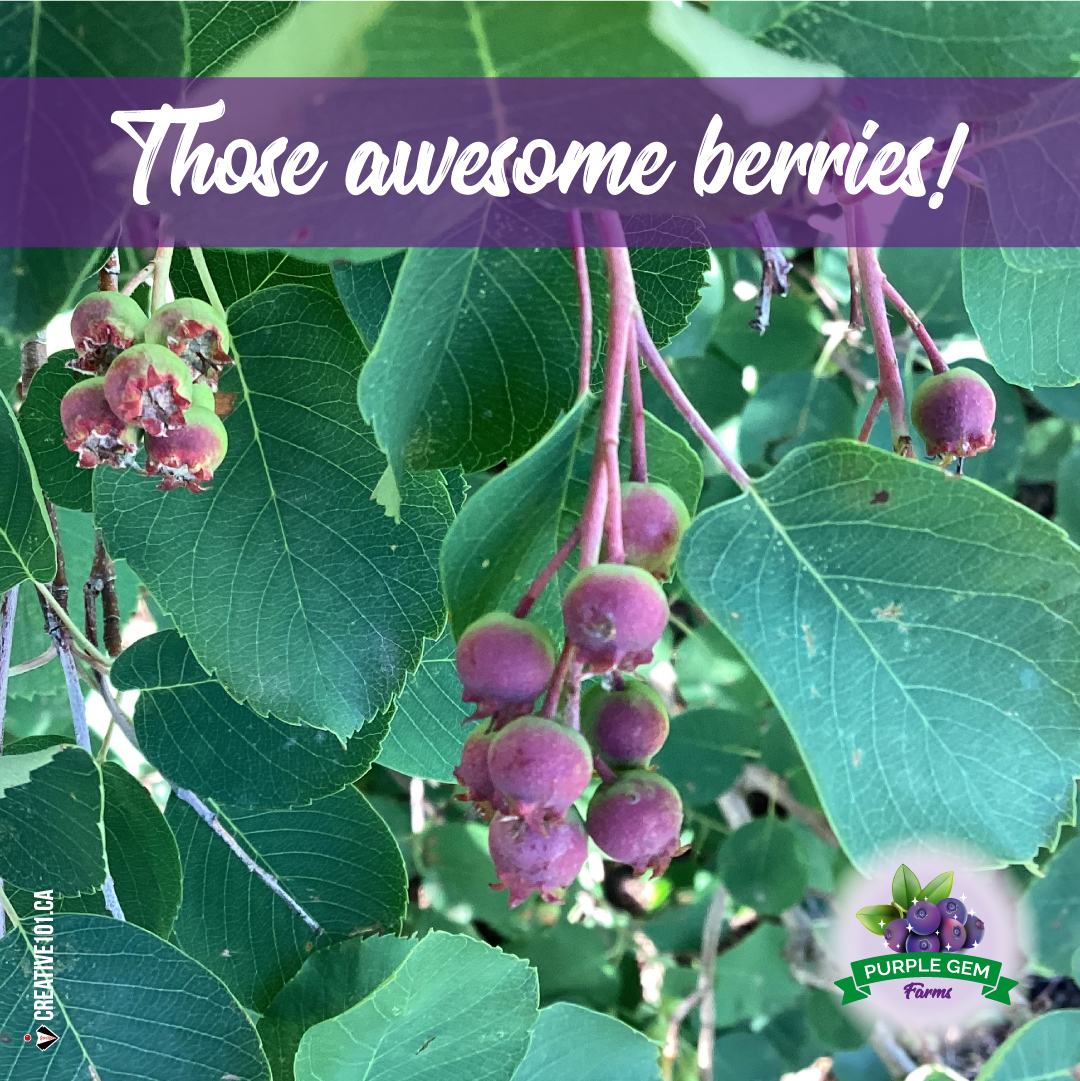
747	1056
764	866
834	1026
509	530
10	364
366	290
886	39
336	858
1054	902
1047	1048
570	962
1067	494
143	858
1065	401
711	672
239	273
329	982
50	821
905	887
753	979
877	917
704	752
1026	320
427	731
791	343
61	479
420	1024
571	1041
853	580
937	889
319	604
26	547
38	283
131	1005
204	740
929	279
218	33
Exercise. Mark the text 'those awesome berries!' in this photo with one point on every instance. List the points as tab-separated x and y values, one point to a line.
504	664
954	413
654	518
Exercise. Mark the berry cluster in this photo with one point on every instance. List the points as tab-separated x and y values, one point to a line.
150	378
525	770
929	928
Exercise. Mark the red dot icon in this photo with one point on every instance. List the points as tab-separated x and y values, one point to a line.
27	1037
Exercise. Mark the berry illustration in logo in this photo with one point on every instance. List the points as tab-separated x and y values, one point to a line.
952	935
924	917
923	943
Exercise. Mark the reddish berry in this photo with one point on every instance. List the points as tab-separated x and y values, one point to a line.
103	325
183	457
539	765
504	664
544	857
92	430
954	413
192	330
472	771
654	518
625	727
148	387
614	615
637	820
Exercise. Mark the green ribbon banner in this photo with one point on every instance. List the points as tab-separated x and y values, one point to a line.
938	966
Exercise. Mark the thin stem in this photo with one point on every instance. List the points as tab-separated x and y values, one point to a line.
937	361
532	594
871	415
103	575
775	268
211	819
159	290
137	279
199	260
572	712
109	274
710	946
671	1043
554	692
581	268
34	662
592	518
639	466
78	635
662	374
606	773
7	633
118	716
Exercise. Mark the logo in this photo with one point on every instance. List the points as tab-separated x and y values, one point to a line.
45	1037
934	939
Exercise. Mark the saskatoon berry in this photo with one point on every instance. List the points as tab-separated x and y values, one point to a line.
92	430
614	615
896	934
539	765
952	935
504	664
973	931
954	413
183	457
654	519
148	387
923	917
103	325
192	330
922	943
545	857
625	727
637	820
953	909
472	771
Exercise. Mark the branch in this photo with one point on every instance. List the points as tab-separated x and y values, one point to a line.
671	1043
103	571
774	271
7	633
937	361
137	279
710	946
109	274
61	616
581	267
268	879
32	356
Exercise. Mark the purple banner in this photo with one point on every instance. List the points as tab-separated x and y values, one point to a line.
390	163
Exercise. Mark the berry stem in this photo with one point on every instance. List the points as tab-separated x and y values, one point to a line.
639	466
7	631
606	774
662	374
581	267
207	281
160	286
572	713
109	274
532	594
892	294
550	705
871	415
137	279
774	271
592	517
95	657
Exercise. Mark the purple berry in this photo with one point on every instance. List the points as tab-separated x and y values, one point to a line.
654	518
924	917
952	935
472	771
539	765
103	325
148	387
625	727
196	333
896	934
953	909
92	430
544	857
637	820
954	413
184	457
614	615
922	943
504	664
973	932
